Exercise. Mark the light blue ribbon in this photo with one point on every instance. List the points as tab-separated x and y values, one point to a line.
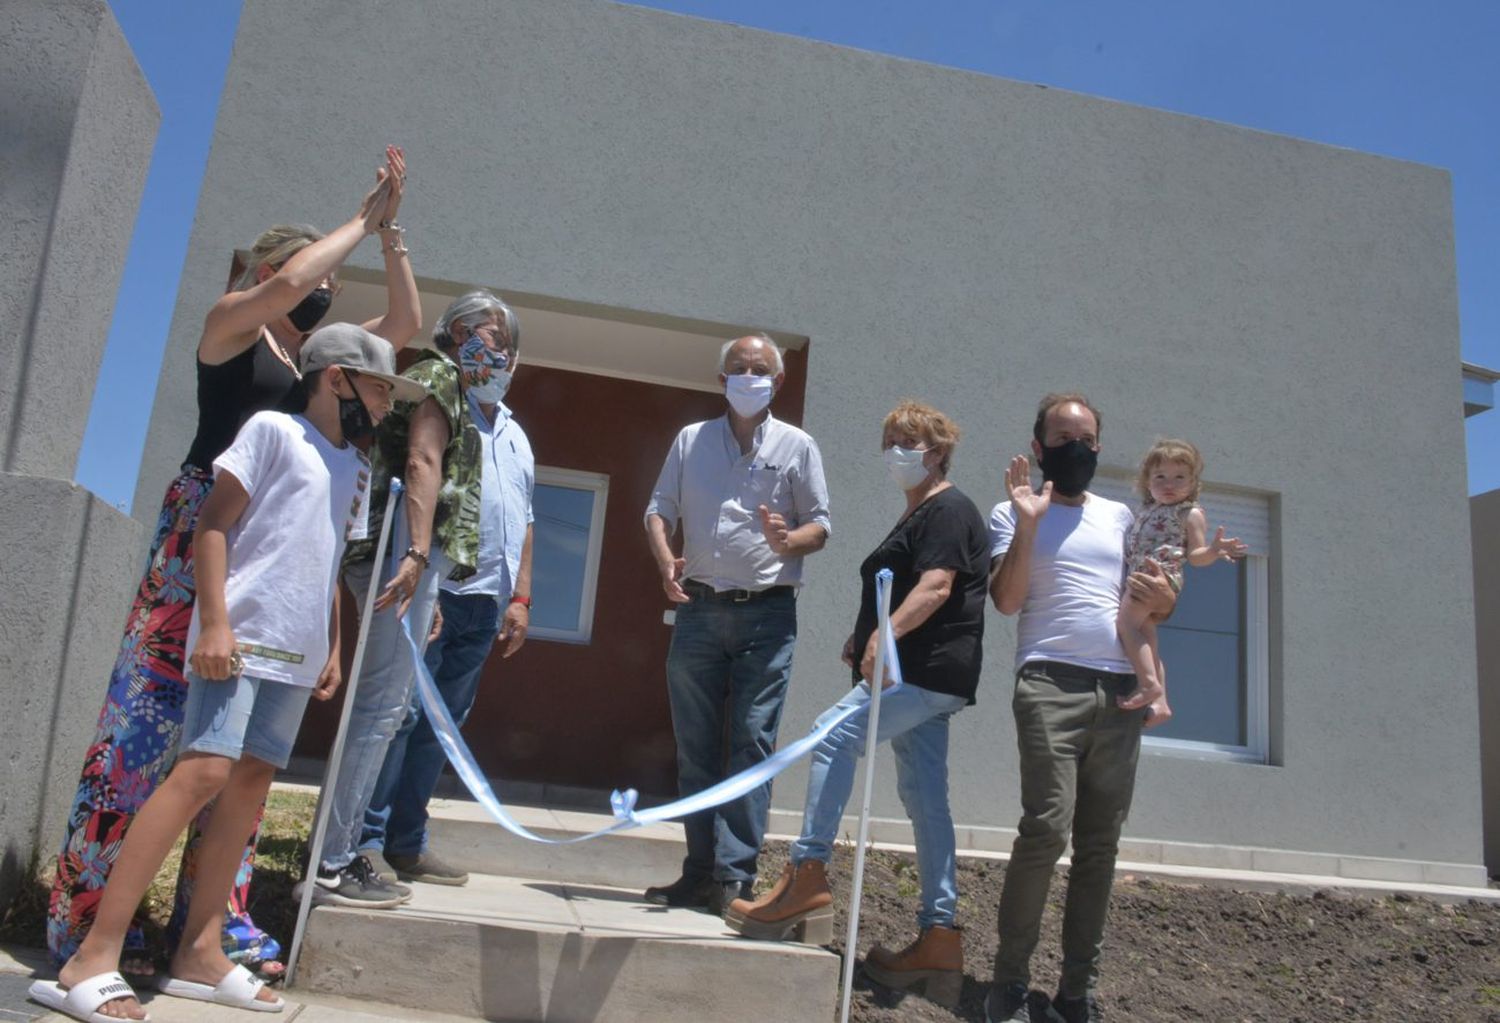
623	803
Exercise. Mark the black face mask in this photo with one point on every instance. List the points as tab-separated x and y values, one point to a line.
354	418
308	312
1069	467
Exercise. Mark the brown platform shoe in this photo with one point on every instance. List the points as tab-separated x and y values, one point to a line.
737	909
803	911
936	958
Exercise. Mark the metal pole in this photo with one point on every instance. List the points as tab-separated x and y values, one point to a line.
331	772
871	736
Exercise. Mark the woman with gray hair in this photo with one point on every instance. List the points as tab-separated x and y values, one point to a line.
464	524
246	363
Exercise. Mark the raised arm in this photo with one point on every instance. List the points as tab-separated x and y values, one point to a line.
225	504
1010	573
1201	554
403	313
234	322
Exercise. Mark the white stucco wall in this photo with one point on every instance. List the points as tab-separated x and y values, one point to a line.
78	122
976	242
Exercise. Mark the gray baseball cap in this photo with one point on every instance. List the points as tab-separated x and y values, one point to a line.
350	346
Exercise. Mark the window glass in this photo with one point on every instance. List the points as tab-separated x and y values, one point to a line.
559	555
1202	646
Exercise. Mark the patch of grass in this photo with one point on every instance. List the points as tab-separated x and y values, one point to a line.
278	866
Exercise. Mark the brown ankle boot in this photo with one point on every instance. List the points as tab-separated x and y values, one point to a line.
936	957
738	909
804	911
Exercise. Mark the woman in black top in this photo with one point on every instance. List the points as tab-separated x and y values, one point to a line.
247	362
938	553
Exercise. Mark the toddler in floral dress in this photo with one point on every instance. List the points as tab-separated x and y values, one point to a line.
1170	528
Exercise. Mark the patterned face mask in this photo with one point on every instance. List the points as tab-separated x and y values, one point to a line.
484	371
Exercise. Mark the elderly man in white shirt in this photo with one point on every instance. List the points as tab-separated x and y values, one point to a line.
749	493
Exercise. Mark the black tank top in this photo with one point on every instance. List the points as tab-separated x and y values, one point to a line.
231	392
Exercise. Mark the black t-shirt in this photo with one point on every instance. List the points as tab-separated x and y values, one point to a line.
943	654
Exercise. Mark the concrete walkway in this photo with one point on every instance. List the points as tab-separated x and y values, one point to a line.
20	966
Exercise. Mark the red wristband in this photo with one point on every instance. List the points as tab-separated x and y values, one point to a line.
524	601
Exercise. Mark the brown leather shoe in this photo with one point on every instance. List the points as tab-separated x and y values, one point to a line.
739	907
936	958
803	912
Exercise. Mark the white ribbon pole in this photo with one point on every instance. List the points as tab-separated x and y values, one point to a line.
331	772
872	734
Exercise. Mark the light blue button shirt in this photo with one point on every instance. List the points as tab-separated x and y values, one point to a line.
506	482
716	492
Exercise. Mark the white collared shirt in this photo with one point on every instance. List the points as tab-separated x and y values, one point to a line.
507	479
716	493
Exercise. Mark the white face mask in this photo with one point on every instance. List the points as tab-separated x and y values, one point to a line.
905	466
749	394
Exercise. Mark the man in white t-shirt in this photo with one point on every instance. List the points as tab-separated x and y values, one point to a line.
1058	557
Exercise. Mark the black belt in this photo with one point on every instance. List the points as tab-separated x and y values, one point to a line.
703	591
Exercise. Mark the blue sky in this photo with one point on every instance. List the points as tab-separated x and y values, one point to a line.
1418	82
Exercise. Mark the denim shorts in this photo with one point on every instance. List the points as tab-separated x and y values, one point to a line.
243	715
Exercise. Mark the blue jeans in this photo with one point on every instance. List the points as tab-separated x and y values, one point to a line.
396	820
728	668
915	720
386	677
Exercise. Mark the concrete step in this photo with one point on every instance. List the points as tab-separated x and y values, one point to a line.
464	835
510	948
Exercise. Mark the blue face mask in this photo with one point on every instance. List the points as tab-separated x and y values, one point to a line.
485	372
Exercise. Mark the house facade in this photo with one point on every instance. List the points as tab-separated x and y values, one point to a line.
643	186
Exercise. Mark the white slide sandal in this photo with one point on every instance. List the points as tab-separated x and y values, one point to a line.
83	1000
237	989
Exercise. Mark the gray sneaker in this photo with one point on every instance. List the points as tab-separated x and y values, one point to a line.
426	868
1008	1003
356	885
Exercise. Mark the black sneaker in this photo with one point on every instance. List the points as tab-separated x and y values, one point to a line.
685	892
1077	1010
356	885
1008	1003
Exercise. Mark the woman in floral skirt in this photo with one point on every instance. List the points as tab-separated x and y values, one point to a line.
246	362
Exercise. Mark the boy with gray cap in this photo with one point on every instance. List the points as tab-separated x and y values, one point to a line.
288	493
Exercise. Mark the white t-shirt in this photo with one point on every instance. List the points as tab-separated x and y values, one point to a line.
1077	581
307	498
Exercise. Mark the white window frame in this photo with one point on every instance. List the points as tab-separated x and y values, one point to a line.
598	484
1257	631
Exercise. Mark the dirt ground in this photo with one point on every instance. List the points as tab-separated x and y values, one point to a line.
1194	952
1174	952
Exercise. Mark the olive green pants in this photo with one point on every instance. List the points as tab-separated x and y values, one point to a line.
1078	759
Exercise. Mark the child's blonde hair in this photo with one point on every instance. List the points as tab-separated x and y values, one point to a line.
1170	450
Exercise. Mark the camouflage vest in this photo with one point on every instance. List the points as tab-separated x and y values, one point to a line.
455	520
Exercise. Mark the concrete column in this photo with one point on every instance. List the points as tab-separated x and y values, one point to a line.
1484	510
79	122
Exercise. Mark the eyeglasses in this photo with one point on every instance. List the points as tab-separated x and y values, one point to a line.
495	337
